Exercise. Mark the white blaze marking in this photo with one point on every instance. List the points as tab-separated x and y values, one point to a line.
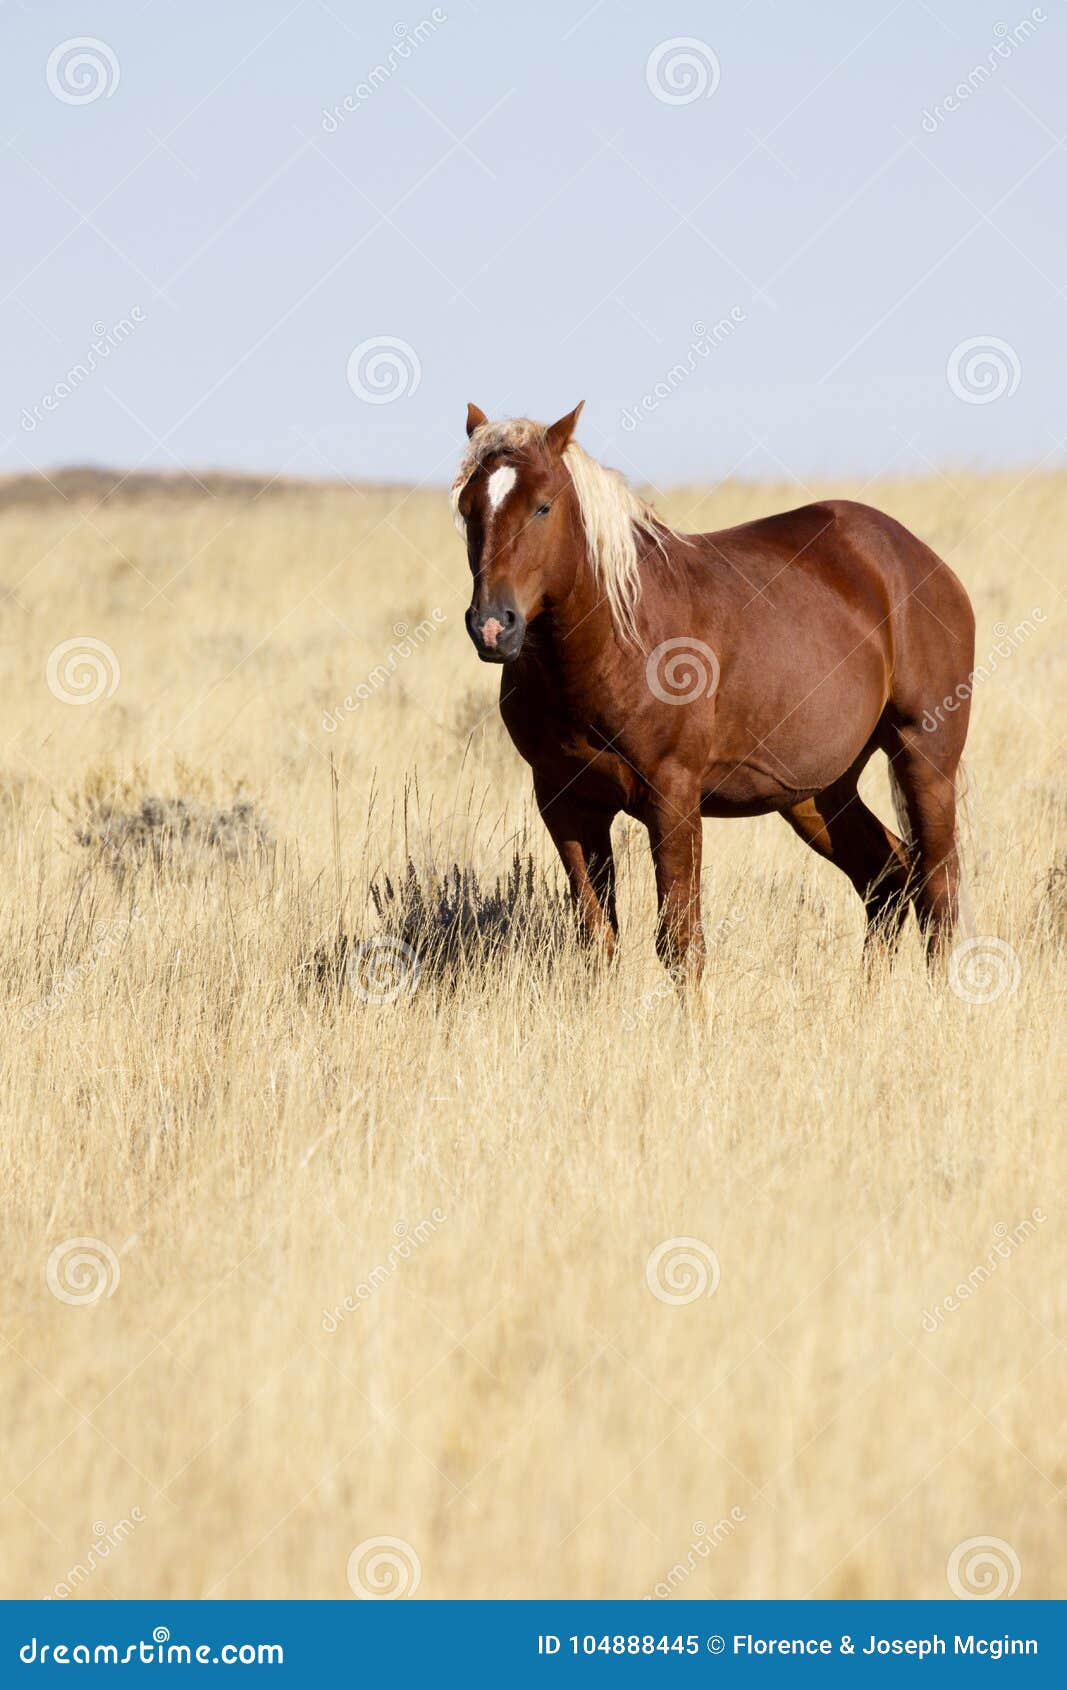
500	484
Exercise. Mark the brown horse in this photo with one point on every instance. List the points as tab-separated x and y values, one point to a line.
676	676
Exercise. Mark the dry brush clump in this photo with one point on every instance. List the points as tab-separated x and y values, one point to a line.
1050	917
444	927
172	835
379	1265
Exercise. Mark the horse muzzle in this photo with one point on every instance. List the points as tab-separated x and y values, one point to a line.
498	631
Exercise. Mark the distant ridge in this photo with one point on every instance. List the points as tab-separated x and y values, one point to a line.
100	485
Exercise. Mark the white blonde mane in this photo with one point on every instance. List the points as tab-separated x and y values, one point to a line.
612	513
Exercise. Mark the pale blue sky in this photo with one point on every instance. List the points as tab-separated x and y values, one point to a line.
563	250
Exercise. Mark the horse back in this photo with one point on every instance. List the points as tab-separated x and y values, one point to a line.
836	538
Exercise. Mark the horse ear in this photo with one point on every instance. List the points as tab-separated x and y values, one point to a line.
559	434
475	419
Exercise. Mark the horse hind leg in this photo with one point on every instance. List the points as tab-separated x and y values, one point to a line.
839	826
924	788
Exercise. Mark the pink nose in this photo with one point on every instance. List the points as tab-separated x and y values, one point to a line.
490	631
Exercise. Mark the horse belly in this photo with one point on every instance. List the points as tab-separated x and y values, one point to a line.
791	739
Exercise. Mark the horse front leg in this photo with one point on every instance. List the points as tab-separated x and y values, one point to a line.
582	836
674	831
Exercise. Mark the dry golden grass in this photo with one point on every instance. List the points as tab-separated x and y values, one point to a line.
511	1399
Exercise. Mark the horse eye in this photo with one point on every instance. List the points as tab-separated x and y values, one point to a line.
542	510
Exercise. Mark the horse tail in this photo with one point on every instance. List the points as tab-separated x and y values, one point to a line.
900	810
966	847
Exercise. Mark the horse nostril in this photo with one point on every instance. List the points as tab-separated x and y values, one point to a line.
497	630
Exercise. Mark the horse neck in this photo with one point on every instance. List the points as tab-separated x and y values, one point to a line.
577	644
580	618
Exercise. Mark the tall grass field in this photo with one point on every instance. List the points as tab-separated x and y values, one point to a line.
358	1234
